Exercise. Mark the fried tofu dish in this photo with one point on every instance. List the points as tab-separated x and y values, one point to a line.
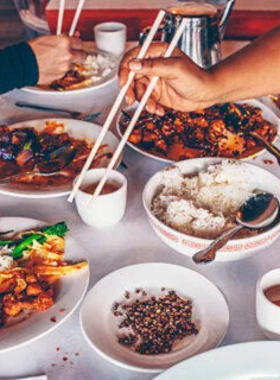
30	264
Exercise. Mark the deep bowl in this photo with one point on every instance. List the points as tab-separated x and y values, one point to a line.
188	245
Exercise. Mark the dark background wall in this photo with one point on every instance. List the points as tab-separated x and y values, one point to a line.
11	28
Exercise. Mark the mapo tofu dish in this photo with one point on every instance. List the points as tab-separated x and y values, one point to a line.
218	131
44	159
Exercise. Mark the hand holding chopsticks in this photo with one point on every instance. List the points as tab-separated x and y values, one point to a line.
116	105
134	118
136	115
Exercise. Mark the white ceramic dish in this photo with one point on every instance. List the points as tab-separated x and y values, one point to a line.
246	361
267	114
235	249
76	129
100	327
69	292
90	90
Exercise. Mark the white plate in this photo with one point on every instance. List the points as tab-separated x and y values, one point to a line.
93	88
267	114
70	290
76	129
246	361
100	326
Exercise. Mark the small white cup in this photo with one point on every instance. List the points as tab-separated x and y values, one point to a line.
108	209
268	314
111	37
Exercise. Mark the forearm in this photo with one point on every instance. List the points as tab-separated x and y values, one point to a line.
18	67
252	72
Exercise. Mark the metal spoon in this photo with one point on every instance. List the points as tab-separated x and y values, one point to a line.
258	212
268	146
61	158
74	114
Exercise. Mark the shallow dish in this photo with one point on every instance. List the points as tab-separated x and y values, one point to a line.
76	129
267	114
245	361
87	89
100	326
69	292
188	245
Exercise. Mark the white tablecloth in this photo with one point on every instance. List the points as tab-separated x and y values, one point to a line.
131	241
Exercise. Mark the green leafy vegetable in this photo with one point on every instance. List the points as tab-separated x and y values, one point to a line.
59	229
26	245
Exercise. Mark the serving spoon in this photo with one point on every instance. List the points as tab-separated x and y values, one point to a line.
257	212
60	159
267	145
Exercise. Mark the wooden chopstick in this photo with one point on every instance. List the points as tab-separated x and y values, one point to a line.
60	17
116	105
76	17
136	115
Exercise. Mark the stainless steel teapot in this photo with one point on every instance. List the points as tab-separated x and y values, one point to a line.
205	28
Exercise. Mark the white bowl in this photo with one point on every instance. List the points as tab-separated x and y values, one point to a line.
188	245
268	113
268	314
100	326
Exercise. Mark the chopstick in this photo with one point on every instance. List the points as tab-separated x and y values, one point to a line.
136	115
76	18
116	105
60	17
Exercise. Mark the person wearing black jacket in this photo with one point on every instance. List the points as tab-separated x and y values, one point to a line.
39	61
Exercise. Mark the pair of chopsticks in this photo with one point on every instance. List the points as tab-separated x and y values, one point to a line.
75	19
117	104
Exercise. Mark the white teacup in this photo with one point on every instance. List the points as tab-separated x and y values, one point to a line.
111	37
268	314
107	209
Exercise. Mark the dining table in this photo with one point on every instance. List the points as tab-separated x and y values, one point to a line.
64	353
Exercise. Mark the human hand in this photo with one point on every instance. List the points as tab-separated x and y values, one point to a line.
55	54
182	85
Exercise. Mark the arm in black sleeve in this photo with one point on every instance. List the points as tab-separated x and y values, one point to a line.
18	67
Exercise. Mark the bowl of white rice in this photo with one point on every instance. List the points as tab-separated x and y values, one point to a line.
194	201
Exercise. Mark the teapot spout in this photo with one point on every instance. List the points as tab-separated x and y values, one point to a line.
225	17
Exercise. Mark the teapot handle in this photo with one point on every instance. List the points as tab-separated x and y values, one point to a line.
145	32
225	17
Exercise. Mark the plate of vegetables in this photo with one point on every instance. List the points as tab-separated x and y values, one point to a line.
43	278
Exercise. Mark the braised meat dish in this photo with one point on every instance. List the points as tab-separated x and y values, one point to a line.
52	150
218	131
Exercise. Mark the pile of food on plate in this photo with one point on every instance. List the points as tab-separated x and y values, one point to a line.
218	131
205	205
96	68
30	264
24	149
152	325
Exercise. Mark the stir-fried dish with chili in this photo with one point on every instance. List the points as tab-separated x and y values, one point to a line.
24	150
218	131
30	264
